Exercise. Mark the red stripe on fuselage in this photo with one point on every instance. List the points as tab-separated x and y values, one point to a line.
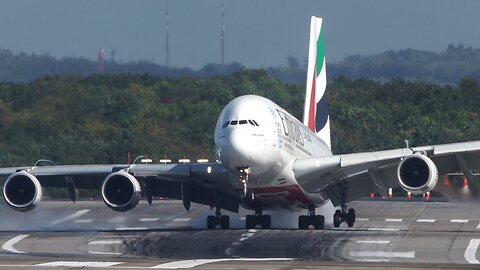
311	112
292	194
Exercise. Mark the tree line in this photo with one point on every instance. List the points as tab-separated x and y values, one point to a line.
74	119
445	67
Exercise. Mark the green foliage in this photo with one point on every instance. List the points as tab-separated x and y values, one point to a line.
99	119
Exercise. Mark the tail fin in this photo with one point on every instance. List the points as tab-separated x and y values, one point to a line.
315	114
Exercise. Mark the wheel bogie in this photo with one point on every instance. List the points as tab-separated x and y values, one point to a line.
214	221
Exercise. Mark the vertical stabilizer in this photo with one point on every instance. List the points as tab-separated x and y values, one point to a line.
315	114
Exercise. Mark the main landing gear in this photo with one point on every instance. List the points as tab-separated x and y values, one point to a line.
341	216
317	221
218	219
265	221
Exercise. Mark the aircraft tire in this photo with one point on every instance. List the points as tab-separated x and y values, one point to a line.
250	222
337	219
266	221
303	222
211	222
225	222
351	217
319	222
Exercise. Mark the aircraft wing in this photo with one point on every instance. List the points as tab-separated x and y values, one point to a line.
364	173
204	183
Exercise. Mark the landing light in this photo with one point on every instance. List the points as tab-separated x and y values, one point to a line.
165	161
209	170
184	160
202	160
146	160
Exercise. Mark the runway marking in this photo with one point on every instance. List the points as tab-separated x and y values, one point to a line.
182	219
426	220
194	263
131	229
459	221
471	251
362	219
105	242
393	220
243	237
104	253
372	260
83	221
148	219
383	254
383	229
78	264
8	246
70	217
373	241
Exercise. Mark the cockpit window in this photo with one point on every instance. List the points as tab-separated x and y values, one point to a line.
225	124
256	124
251	122
242	122
234	122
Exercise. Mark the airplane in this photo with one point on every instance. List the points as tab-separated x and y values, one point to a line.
268	160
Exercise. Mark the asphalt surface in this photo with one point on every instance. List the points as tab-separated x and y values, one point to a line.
397	235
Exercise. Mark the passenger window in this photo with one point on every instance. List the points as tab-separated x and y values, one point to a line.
233	123
242	122
226	124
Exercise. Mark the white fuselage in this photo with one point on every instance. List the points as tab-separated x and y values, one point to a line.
253	132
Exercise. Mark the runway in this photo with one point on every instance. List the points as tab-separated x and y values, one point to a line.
399	235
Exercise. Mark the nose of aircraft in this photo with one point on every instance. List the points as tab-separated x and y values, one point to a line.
240	148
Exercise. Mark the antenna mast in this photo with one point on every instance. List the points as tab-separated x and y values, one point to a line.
222	36
167	38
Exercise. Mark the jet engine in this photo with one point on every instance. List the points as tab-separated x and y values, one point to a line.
417	174
121	191
22	191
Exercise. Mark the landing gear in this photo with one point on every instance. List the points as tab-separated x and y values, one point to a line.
317	221
218	219
341	216
265	221
244	172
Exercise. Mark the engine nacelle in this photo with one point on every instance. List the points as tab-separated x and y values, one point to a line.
22	191
121	191
417	174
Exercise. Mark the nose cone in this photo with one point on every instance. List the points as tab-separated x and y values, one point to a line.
240	148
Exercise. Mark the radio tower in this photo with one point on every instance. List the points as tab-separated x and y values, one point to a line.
222	36
167	47
101	62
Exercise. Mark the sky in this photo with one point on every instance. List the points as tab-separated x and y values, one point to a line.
258	33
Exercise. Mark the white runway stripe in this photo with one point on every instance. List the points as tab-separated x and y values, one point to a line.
362	219
373	241
83	221
393	220
426	220
8	246
194	263
459	221
105	242
148	219
78	264
471	251
384	229
182	219
70	217
383	254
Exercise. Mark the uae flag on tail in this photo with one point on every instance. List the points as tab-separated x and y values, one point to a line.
315	115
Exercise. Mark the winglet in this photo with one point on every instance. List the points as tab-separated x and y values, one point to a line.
315	115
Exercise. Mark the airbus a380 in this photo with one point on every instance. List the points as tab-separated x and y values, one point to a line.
268	160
